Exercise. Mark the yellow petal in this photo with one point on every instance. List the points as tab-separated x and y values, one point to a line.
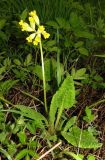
31	37
26	27
41	29
38	38
34	15
35	43
21	22
32	22
46	35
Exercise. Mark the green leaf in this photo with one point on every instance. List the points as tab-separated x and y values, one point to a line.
17	62
79	74
32	114
84	34
78	44
90	157
50	69
81	138
2	70
53	24
2	23
27	157
5	153
70	123
77	22
64	98
28	59
76	157
21	154
100	55
83	51
22	137
33	154
7	85
89	116
63	23
24	14
3	35
74	20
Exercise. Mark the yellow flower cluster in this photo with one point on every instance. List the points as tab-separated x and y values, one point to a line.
35	37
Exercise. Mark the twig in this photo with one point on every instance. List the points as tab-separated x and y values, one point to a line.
29	95
46	153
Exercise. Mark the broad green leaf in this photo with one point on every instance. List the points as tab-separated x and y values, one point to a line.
28	59
2	69
74	20
100	24
50	43
27	157
33	154
53	49
83	51
81	138
79	74
23	16
7	62
75	156
2	23
89	116
53	24
50	69
63	23
90	157
3	36
70	123
84	34
77	22
7	85
17	62
22	137
78	44
64	98
32	114
21	154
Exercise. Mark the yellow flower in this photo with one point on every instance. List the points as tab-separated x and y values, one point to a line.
34	15
41	29
31	37
37	40
45	34
25	26
32	22
35	43
35	37
21	22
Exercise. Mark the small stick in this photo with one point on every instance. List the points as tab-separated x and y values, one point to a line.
49	150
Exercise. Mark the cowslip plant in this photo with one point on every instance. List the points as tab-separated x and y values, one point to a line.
35	37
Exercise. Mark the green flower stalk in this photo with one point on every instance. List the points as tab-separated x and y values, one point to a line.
37	31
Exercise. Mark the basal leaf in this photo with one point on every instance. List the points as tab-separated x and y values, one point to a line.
64	98
70	123
81	138
32	114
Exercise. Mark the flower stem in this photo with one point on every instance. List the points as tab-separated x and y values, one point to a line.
44	80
